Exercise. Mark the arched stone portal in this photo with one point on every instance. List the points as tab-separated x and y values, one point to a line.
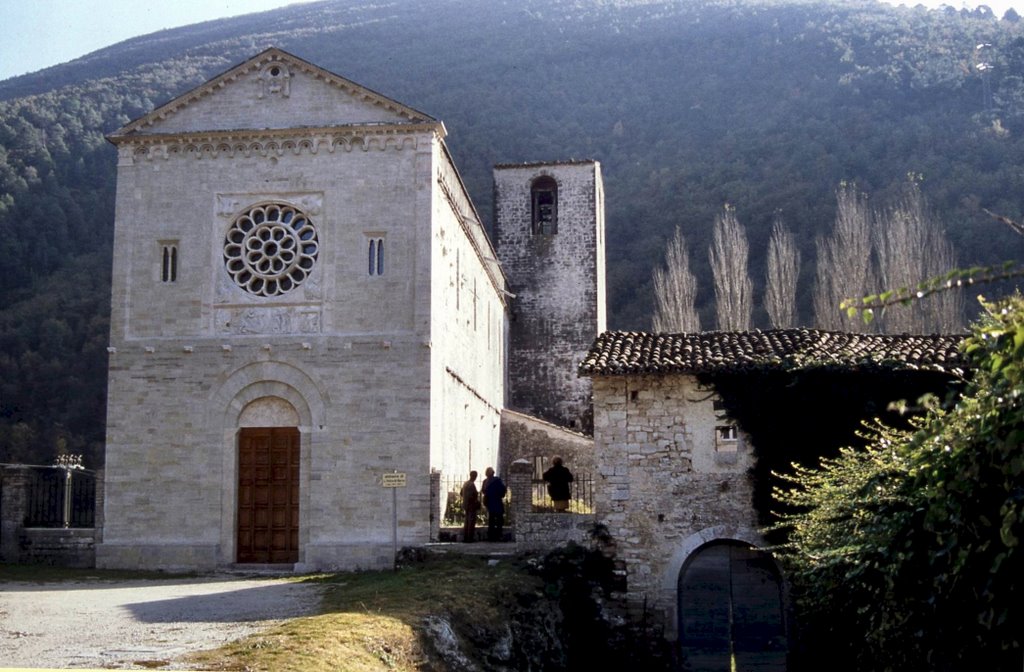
268	482
262	396
731	612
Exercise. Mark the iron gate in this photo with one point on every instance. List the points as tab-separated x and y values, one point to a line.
61	497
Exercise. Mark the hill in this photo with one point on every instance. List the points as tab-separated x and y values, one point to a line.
766	105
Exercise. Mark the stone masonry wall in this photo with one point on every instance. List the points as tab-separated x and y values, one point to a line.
349	351
664	484
467	334
524	437
13	509
59	547
558	283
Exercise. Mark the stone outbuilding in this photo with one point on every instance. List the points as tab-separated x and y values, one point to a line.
673	475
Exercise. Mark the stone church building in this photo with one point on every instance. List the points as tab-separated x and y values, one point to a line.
304	301
307	308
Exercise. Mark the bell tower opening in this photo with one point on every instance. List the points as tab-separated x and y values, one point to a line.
544	199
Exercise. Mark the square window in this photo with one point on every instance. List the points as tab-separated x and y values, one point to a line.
727	438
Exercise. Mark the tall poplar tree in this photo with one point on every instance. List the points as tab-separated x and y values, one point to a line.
675	290
844	264
910	248
729	254
780	283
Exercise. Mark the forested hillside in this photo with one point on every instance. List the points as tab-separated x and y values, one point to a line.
763	104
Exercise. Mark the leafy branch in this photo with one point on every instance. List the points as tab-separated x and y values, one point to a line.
919	536
866	307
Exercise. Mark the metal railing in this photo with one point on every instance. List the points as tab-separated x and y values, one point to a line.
581	499
455	515
581	495
63	495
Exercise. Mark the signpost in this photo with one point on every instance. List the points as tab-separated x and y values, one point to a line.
394	480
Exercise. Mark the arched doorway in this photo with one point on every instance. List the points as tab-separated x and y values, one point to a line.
268	483
731	614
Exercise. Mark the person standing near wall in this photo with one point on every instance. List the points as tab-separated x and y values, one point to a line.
558	479
470	506
493	490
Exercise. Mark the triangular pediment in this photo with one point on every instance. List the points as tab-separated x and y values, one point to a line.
273	90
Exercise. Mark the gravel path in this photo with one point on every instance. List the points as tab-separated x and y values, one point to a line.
126	624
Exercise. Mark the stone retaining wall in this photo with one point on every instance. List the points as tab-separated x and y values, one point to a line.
57	546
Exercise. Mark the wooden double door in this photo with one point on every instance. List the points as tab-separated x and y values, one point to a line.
268	495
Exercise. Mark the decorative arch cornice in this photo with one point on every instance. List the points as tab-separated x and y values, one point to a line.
267	379
233	144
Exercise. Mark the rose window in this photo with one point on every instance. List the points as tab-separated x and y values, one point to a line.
271	249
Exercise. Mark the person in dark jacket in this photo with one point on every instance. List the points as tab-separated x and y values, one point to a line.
558	479
493	490
470	506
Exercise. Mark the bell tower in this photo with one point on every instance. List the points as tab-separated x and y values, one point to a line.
549	232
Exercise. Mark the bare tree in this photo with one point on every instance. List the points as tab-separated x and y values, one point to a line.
844	265
780	283
947	307
911	248
675	290
733	289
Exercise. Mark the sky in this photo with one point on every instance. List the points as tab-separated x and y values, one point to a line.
41	33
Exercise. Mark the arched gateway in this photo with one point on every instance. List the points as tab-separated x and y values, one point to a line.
730	609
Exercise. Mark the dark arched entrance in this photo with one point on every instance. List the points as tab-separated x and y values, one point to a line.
731	615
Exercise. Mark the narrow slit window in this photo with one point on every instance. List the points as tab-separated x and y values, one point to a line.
544	201
375	260
169	262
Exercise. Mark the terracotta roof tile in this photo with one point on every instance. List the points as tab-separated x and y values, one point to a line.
624	353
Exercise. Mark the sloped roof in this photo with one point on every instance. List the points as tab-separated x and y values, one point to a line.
147	122
617	353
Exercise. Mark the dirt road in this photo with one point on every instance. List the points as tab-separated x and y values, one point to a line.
139	624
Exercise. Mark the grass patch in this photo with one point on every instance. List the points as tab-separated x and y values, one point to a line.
372	621
48	574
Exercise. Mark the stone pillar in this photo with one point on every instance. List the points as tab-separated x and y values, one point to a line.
520	483
13	508
100	496
436	512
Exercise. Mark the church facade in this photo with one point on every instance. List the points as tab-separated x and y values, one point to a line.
306	307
